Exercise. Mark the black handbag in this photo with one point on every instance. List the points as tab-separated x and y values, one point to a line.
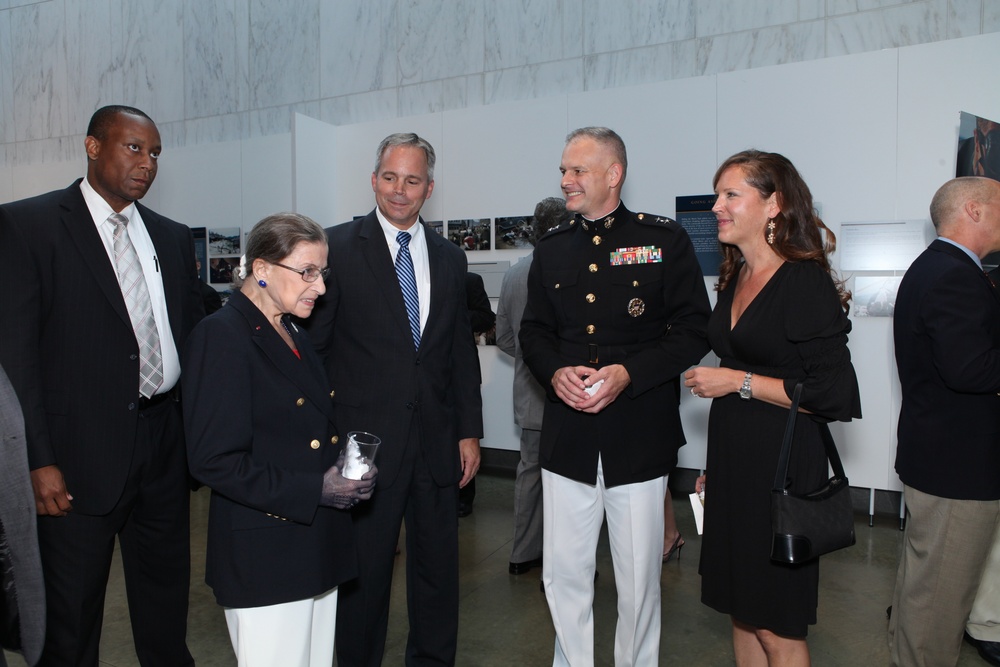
809	525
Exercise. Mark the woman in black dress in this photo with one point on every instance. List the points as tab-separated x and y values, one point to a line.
780	319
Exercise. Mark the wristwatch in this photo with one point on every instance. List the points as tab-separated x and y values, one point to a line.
745	393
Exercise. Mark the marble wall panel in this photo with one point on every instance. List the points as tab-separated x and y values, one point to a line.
463	91
438	39
916	23
38	65
756	48
811	9
532	81
522	32
94	65
612	26
964	18
854	33
210	129
152	39
360	107
421	98
626	68
284	52
358	44
265	122
214	64
717	17
7	129
49	151
573	22
991	16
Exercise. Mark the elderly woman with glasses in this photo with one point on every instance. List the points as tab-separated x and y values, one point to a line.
261	434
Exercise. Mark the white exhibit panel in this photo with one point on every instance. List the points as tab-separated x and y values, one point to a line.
267	178
36	179
354	159
669	130
498	402
936	83
502	159
314	169
200	186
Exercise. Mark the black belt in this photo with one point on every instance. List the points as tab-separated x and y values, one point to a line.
156	399
602	354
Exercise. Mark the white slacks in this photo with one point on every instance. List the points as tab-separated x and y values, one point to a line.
573	514
291	634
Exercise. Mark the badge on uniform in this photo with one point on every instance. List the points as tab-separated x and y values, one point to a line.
647	254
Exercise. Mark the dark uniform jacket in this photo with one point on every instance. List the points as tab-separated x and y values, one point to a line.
260	433
626	289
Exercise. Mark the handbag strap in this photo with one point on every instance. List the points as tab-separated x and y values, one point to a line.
781	473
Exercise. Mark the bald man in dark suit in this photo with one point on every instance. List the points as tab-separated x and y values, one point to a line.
94	365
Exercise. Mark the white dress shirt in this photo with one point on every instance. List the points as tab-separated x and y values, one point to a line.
100	211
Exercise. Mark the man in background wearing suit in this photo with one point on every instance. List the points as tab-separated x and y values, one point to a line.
23	612
483	320
617	309
100	293
946	329
394	332
529	397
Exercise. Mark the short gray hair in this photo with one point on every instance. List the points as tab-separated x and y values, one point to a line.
406	139
952	196
606	137
275	237
549	214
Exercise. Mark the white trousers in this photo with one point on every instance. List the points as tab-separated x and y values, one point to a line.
573	514
291	634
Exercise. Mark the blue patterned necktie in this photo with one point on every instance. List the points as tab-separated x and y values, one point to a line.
408	285
140	308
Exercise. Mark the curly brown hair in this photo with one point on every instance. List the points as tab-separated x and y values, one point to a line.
799	234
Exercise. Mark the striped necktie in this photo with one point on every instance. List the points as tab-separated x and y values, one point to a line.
408	285
140	308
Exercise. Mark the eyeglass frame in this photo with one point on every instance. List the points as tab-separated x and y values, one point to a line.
312	270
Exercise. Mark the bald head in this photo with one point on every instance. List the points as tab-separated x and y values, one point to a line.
967	210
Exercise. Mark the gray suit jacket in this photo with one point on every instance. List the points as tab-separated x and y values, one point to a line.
529	397
17	513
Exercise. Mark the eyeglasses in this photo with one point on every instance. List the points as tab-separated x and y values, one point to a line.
309	275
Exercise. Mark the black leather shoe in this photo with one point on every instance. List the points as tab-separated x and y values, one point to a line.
524	566
464	508
988	651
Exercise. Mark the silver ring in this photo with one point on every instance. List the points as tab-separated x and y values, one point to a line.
692	392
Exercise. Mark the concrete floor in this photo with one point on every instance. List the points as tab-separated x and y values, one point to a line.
505	621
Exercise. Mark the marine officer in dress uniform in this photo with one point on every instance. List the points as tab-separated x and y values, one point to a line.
617	309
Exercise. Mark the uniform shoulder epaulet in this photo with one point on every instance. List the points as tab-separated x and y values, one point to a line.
656	221
559	229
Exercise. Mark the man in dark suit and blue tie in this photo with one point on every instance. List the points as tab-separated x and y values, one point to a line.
394	332
946	328
103	292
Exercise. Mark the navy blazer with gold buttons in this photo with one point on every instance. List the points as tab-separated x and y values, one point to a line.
261	433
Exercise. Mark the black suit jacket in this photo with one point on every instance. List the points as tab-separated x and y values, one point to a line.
946	328
69	347
383	384
260	433
648	314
